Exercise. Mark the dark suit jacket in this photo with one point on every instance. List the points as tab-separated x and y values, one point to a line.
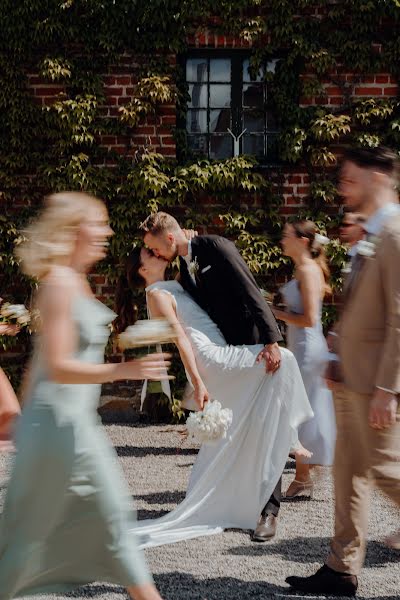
227	290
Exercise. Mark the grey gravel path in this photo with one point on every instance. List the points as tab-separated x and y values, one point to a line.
230	566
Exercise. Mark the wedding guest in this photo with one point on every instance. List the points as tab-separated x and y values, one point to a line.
303	296
9	405
369	342
352	230
66	517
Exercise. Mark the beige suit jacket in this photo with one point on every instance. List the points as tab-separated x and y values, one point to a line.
369	327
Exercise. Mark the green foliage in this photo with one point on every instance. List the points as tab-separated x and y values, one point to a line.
75	43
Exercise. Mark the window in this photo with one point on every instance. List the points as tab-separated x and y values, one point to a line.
228	112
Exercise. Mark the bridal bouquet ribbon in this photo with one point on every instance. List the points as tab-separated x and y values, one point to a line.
148	332
211	424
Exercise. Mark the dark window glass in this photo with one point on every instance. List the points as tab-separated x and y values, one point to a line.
227	95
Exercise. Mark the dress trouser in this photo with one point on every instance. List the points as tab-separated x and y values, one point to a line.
274	503
363	456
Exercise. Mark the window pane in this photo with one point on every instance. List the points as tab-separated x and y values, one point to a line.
220	69
253	95
272	146
246	73
196	69
220	146
220	95
272	122
198	144
196	121
198	95
253	120
220	119
253	144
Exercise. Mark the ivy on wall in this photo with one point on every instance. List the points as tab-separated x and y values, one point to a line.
73	43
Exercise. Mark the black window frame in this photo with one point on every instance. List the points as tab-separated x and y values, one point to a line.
237	57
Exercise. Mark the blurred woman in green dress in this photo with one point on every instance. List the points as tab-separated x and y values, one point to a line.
67	512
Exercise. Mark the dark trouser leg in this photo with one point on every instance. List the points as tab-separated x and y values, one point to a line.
273	504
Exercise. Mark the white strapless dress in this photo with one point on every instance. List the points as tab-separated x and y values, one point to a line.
232	480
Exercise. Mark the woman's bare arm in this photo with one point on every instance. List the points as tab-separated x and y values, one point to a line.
161	305
59	343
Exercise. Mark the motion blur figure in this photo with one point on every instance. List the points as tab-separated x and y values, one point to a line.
67	511
9	405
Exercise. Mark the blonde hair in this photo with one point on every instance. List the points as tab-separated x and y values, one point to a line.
52	236
308	229
159	222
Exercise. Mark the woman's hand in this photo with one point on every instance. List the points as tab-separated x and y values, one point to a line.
7	329
201	396
153	367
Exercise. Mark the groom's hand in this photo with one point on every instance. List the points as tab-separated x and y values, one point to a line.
382	409
272	356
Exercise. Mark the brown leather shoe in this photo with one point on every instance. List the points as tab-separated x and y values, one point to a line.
266	528
326	581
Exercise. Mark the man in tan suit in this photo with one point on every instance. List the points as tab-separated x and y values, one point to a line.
368	417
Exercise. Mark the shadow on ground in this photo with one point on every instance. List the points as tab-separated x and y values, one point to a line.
313	549
137	452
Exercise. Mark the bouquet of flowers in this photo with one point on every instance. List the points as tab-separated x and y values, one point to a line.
15	314
147	333
211	424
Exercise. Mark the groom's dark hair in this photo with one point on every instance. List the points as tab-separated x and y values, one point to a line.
381	159
158	222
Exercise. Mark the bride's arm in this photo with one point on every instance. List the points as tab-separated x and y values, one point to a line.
160	305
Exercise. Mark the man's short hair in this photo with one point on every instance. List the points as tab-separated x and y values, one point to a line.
381	159
159	222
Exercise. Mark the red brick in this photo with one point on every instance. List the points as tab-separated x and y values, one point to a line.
125	80
369	79
147	130
123	101
294	179
48	90
336	100
114	91
391	91
108	139
368	91
382	78
302	189
167	140
167	150
97	279
168	120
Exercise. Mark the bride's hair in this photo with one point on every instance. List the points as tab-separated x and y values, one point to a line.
308	229
128	283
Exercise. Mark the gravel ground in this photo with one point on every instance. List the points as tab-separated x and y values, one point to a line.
230	566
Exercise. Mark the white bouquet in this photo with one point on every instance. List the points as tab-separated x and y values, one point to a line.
147	333
15	314
211	424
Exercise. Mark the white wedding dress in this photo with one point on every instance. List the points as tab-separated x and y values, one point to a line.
232	480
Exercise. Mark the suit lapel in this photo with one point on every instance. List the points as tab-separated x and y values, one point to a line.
357	267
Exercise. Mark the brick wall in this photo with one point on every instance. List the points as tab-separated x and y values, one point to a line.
155	133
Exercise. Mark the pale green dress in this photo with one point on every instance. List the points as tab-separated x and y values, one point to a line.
67	513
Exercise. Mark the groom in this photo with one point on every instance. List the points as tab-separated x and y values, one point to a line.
217	277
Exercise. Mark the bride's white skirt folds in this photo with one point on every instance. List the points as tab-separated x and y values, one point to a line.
232	480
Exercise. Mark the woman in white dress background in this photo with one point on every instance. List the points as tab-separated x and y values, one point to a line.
231	480
303	296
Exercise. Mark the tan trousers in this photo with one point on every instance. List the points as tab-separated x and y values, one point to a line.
363	456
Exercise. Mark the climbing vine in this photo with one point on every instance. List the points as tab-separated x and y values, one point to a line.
74	44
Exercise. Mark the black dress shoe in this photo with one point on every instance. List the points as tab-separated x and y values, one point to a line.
326	581
266	528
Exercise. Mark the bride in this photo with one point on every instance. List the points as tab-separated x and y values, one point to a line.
231	480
